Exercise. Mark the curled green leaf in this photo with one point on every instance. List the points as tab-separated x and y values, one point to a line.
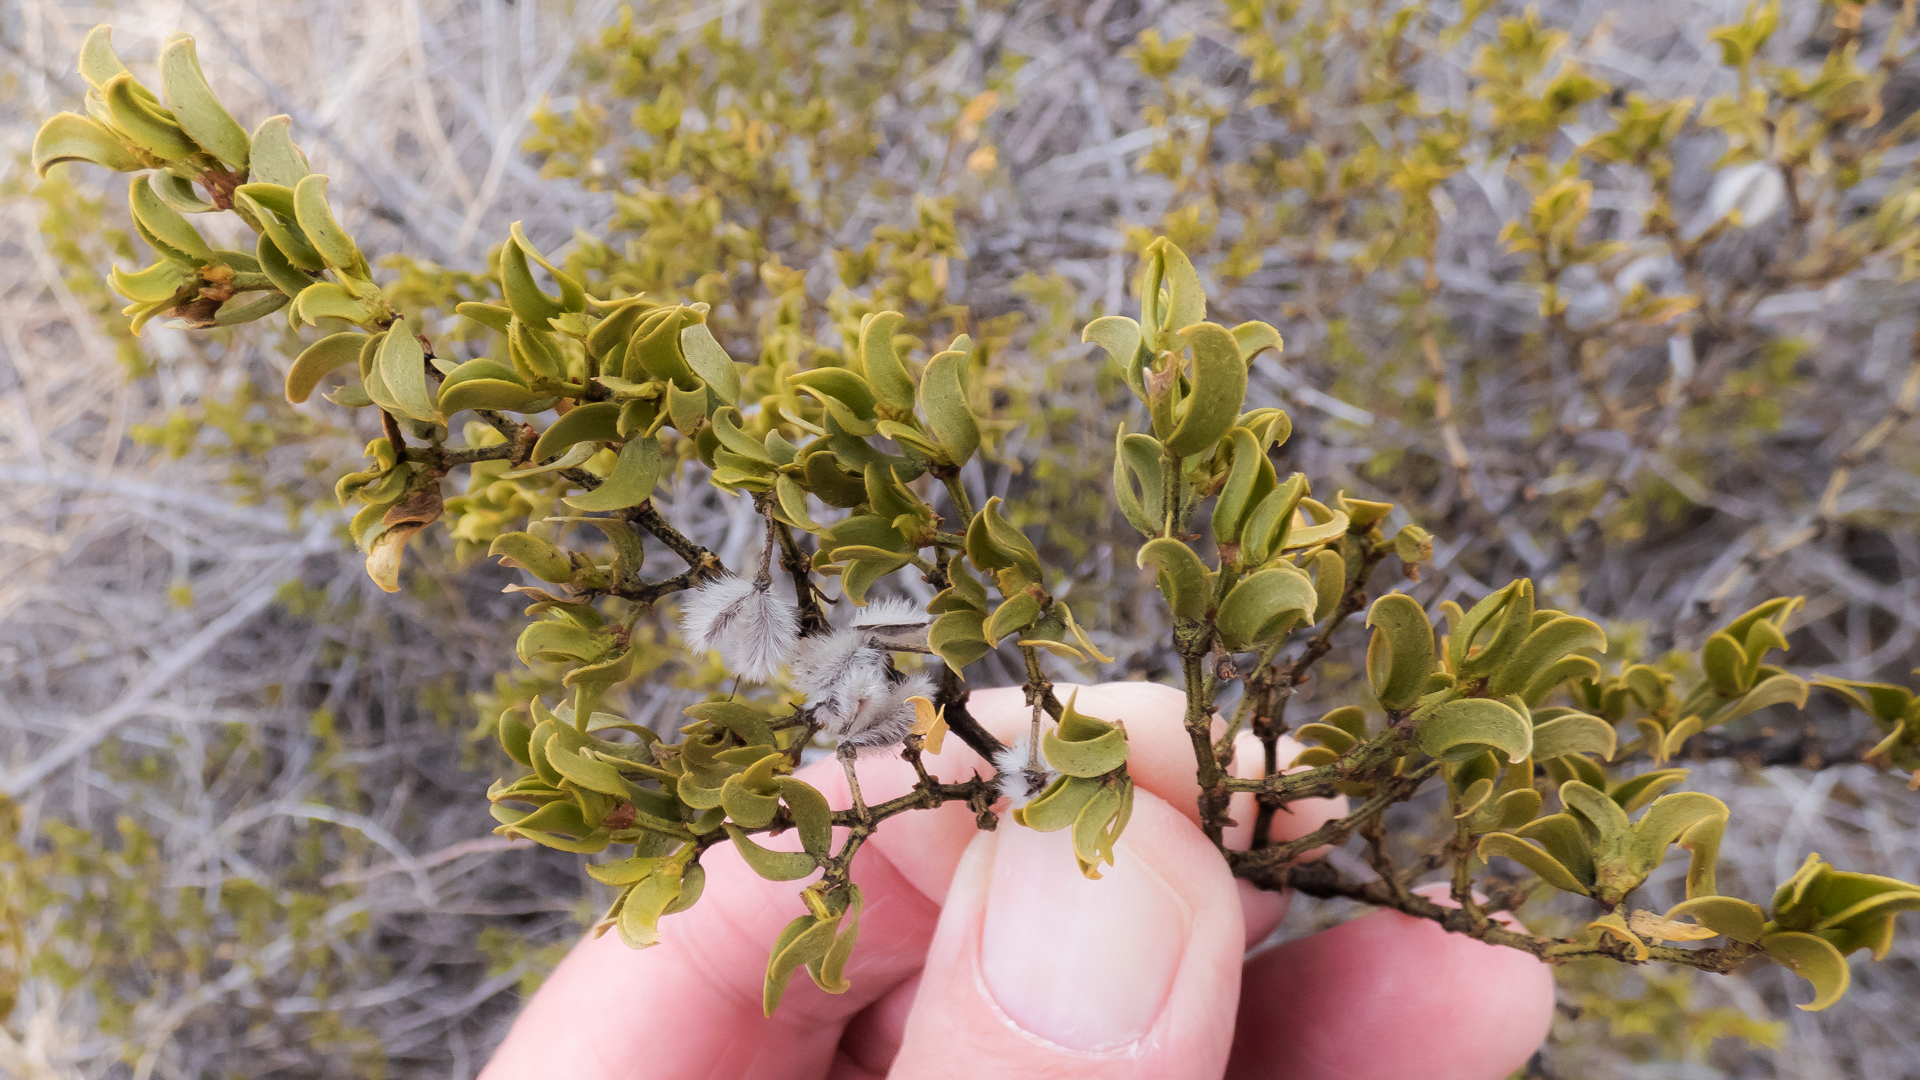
71	137
1219	389
1467	727
1400	653
1264	606
196	109
630	483
1183	578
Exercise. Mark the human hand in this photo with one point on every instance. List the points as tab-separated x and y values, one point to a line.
987	954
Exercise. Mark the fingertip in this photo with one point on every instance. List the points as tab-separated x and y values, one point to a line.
1038	971
1388	996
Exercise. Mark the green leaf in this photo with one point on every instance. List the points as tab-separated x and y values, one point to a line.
1057	807
585	770
178	192
1255	338
811	815
529	302
1510	630
792	501
323	232
1463	632
1120	337
1137	457
1781	689
558	825
630	483
285	276
623	872
1740	920
1544	866
1814	959
1633	794
994	544
248	307
1267	527
943	404
805	940
1092	840
644	904
1095	756
710	362
1467	727
1183	578
830	483
1725	664
1329	582
726	427
1669	817
1776	610
326	300
72	137
747	807
1558	674
1600	811
403	367
319	358
98	62
1574	733
272	157
886	374
1400	653
1017	612
959	638
772	865
1563	837
1544	647
163	226
829	971
161	281
534	555
196	109
846	396
596	421
514	735
1230	508
1337	739
511	395
143	123
654	350
1263	606
1186	298
1219	389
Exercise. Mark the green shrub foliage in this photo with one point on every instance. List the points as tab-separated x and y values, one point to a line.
539	427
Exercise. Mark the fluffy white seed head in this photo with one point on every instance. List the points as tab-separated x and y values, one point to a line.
836	667
894	614
754	629
885	718
853	689
1017	779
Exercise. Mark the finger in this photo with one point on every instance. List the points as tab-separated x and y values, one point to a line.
589	1019
1036	971
1161	761
1389	996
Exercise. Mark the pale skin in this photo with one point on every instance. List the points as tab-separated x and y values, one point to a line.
987	954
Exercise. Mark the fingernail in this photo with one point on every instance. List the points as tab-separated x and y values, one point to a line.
1087	965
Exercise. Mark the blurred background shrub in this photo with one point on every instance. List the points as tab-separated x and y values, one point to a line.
1614	295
